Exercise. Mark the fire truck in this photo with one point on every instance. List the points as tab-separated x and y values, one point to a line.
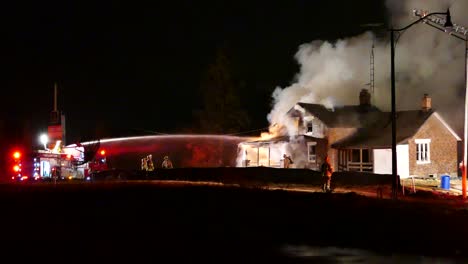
55	166
97	164
68	164
56	161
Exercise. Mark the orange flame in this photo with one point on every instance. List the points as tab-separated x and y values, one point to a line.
266	135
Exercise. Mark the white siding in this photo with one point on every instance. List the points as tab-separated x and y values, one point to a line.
403	160
318	127
383	161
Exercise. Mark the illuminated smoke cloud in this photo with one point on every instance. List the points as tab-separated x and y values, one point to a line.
427	61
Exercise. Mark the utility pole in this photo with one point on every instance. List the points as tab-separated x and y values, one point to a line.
393	117
445	24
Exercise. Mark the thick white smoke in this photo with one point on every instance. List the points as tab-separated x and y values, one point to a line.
427	61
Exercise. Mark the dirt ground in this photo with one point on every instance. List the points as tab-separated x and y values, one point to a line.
143	221
433	185
426	192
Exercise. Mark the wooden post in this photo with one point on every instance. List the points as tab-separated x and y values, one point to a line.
269	152
258	155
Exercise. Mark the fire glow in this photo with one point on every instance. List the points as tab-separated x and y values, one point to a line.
266	135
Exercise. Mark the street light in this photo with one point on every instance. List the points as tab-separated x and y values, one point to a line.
44	139
459	32
393	117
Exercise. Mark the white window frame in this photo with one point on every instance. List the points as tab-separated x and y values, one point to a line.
311	158
419	146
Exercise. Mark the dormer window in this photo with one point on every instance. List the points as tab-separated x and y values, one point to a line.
310	127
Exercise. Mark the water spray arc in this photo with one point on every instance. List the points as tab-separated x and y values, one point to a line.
184	150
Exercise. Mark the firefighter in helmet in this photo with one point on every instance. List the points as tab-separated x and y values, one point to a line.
167	163
327	171
287	161
144	165
149	162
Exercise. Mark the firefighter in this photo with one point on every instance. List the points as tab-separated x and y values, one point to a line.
327	171
287	161
56	173
150	164
167	163
144	165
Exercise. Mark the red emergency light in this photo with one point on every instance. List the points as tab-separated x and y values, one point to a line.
102	152
16	154
16	168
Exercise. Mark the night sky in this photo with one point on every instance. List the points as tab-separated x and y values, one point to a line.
124	68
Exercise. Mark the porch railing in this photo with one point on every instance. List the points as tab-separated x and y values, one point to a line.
359	166
272	164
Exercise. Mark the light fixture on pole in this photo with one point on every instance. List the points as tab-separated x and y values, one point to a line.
395	180
44	139
460	32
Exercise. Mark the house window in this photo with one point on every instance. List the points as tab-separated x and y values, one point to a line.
356	155
423	151
310	127
312	151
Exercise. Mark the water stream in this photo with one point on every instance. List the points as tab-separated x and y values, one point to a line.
184	150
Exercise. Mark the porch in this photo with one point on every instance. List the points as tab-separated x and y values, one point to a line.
355	159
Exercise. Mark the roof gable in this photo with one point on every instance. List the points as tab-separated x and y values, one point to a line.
349	116
447	126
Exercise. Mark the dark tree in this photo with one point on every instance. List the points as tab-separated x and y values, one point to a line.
221	112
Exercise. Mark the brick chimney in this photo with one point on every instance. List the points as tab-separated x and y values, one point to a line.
364	98
426	104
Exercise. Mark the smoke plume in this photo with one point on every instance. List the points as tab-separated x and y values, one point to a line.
427	61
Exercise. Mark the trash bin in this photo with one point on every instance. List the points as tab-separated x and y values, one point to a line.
445	182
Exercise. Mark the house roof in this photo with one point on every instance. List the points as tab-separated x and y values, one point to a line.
279	139
343	116
380	135
269	140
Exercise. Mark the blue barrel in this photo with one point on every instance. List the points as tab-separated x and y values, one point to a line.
445	182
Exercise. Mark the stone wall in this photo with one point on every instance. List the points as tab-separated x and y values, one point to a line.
443	150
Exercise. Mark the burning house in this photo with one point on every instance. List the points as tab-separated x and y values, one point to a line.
358	138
